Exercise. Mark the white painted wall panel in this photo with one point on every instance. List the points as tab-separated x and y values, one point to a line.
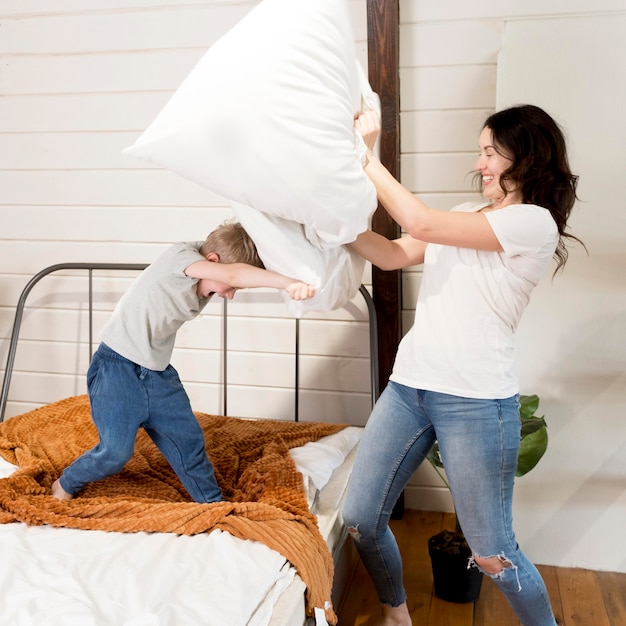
67	151
448	87
467	42
432	173
438	131
43	254
150	187
432	10
315	406
35	7
68	7
162	224
71	72
81	112
38	390
186	26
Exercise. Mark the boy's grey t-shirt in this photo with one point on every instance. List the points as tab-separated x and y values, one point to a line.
145	321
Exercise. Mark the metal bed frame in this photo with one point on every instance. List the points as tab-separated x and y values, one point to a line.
91	267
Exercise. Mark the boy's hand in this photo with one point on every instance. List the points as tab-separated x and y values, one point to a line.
300	291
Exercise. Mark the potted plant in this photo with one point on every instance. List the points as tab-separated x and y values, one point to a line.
448	550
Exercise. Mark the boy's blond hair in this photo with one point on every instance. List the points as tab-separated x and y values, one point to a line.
232	244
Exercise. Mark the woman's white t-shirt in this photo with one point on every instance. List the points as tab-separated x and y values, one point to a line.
469	305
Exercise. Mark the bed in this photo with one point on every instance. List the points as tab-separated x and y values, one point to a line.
134	550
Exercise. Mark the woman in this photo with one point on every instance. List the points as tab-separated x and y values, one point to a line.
453	379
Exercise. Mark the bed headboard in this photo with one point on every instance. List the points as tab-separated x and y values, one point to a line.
91	268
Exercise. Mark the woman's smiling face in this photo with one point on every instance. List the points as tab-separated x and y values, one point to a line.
491	164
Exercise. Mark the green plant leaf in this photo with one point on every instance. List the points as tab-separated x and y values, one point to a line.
532	448
528	405
532	424
434	456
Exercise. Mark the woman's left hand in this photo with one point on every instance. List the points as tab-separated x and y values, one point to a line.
368	125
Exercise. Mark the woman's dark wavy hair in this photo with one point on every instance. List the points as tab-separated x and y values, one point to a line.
540	168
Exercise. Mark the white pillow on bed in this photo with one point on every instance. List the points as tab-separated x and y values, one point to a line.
265	119
317	460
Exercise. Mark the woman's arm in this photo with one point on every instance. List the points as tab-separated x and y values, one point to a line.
389	254
465	230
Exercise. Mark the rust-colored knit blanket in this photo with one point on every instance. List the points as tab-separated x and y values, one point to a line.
265	498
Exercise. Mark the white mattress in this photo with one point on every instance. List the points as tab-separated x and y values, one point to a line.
65	577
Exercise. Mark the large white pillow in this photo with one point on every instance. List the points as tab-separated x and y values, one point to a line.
266	119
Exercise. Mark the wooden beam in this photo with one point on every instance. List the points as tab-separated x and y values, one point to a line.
383	19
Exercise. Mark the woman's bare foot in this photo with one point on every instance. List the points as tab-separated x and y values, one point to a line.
58	492
396	616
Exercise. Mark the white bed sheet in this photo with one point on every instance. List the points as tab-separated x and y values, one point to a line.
66	577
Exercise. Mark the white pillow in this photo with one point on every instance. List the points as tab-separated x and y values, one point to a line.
284	248
266	119
317	460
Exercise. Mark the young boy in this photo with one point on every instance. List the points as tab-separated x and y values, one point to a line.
130	382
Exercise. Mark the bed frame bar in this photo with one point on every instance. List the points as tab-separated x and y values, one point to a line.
91	267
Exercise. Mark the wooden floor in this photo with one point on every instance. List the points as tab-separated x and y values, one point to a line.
579	597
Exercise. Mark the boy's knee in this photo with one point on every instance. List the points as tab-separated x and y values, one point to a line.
113	464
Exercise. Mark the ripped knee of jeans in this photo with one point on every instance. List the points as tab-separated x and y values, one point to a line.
497	566
353	531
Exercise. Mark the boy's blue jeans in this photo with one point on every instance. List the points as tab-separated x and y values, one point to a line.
479	442
125	397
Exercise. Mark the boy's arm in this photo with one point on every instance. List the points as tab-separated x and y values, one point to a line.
389	254
242	276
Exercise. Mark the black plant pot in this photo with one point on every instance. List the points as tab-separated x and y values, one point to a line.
454	582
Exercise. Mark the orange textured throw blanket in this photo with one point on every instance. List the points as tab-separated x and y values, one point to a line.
265	498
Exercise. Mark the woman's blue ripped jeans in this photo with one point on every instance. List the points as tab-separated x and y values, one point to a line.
124	397
479	443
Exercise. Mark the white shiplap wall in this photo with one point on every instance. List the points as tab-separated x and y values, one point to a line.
79	82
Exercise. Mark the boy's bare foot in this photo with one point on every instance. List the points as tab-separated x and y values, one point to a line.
396	616
58	492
